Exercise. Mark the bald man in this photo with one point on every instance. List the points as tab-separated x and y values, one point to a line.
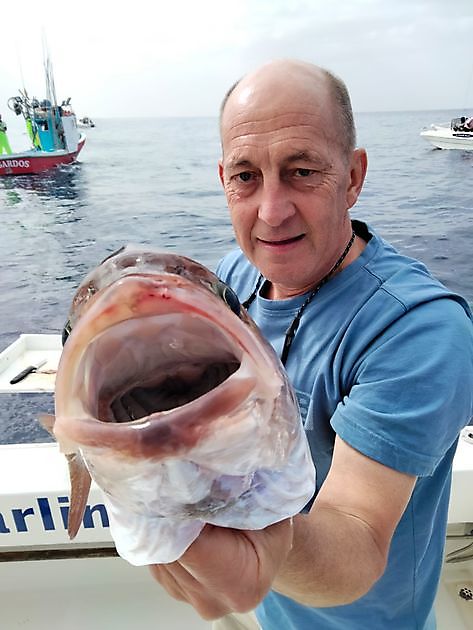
378	352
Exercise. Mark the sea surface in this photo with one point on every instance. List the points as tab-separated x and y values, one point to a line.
155	181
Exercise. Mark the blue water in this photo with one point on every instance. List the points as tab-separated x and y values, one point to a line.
155	181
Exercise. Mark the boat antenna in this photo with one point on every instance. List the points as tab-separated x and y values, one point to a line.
469	83
22	104
21	68
48	70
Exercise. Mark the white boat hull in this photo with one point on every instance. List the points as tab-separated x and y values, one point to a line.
83	584
443	137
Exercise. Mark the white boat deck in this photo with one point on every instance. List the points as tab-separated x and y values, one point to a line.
88	594
453	612
29	350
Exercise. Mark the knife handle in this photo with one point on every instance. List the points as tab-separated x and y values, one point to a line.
23	374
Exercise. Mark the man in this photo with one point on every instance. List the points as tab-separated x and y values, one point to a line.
381	358
4	144
469	124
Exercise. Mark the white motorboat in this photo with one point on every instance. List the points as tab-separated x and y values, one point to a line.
453	135
47	581
85	122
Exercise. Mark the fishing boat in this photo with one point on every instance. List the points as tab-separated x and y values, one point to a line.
83	583
52	130
454	135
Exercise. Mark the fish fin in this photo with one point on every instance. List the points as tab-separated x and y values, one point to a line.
80	486
80	480
47	421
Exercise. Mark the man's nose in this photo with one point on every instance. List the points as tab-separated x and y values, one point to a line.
275	204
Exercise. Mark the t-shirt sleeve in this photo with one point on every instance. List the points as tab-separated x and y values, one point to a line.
413	389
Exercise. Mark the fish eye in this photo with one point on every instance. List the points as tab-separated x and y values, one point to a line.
66	331
229	297
118	251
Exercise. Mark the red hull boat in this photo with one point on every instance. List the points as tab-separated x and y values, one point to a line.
33	161
52	130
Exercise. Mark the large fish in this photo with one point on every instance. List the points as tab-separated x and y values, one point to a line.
170	399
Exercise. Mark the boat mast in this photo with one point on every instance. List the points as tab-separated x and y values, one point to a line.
53	109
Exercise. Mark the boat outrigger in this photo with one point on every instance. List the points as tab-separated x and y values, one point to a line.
52	130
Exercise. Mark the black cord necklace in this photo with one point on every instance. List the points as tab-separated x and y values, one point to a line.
291	331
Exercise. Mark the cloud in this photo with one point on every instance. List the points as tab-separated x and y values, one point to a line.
178	58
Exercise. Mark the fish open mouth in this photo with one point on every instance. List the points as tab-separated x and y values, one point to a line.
155	364
174	391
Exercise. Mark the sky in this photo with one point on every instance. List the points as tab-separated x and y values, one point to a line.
144	58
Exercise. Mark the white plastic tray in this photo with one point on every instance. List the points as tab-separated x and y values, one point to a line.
30	349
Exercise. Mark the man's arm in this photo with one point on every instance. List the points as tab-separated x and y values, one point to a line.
329	557
340	548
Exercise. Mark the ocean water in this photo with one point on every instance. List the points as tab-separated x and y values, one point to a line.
155	181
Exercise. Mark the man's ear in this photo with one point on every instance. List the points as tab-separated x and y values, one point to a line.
220	171
358	166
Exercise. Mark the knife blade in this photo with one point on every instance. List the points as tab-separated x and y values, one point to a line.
28	370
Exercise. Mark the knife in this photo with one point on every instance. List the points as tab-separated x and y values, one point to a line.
29	370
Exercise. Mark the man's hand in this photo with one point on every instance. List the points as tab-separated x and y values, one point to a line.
329	557
227	570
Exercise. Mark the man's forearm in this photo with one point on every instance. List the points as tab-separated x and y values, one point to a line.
334	559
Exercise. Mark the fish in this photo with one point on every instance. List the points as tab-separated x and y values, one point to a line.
169	398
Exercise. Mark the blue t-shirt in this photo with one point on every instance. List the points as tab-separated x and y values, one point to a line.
383	357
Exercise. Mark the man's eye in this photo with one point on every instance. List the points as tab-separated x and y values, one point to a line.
245	176
303	172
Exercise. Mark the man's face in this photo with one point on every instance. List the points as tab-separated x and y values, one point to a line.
288	185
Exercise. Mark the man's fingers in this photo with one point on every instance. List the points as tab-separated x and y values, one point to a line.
165	577
184	587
